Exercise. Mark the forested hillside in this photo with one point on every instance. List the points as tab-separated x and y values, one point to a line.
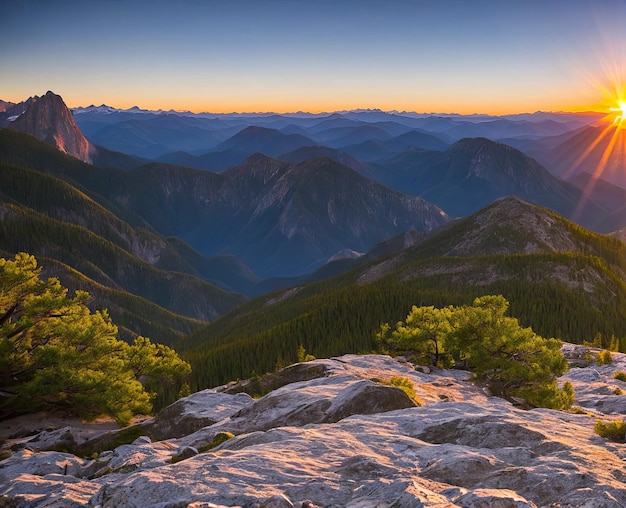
558	280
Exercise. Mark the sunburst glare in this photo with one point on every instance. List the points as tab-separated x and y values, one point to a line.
620	118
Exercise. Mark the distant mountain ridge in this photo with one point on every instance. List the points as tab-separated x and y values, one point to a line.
262	139
474	172
145	136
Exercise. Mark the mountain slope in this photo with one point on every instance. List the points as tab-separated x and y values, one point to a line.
415	139
212	161
104	262
59	200
316	152
560	279
48	119
311	210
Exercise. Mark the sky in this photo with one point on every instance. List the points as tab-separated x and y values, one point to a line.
427	56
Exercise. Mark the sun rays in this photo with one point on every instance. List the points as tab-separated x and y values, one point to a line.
612	140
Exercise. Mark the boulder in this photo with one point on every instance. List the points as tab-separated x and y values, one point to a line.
185	452
194	412
323	400
277	501
179	419
61	440
493	498
50	491
128	458
39	464
305	371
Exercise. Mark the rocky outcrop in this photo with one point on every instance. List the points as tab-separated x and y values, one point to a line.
183	417
340	439
49	119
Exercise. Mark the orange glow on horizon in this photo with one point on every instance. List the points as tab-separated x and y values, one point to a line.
229	106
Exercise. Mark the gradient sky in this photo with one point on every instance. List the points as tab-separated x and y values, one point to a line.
464	56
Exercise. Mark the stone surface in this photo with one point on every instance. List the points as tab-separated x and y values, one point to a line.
490	498
331	441
179	419
60	439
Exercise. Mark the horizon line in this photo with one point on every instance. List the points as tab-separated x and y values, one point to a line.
341	111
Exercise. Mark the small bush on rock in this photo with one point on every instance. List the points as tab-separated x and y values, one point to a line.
604	358
620	375
405	384
614	430
218	439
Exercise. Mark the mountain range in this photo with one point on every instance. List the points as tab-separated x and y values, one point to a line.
311	229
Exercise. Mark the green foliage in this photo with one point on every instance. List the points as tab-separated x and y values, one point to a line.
302	355
620	375
55	353
513	361
155	364
614	430
604	358
424	333
405	384
218	439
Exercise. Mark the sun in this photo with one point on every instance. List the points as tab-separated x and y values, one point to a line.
620	118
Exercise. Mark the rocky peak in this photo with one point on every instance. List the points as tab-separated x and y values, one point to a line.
510	225
49	119
4	105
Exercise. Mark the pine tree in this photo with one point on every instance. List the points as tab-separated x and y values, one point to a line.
511	360
56	354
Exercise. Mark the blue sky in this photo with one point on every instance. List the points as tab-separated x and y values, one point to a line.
502	56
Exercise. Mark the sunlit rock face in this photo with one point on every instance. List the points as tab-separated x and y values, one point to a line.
333	433
48	119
